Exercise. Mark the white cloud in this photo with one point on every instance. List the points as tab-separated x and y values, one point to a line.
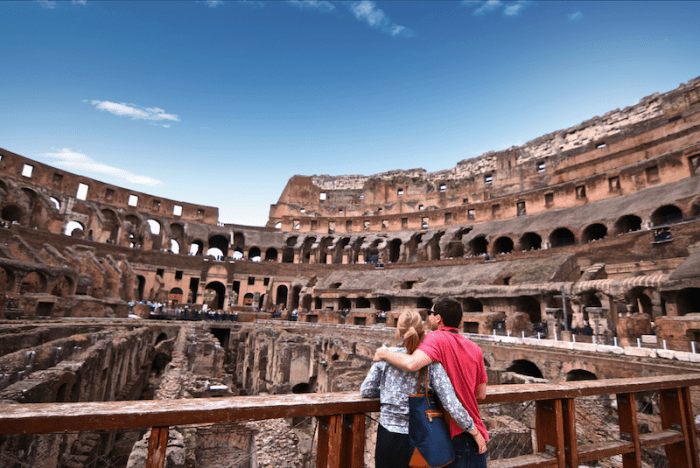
82	2
50	4
133	111
577	16
488	6
368	12
80	162
315	4
213	3
484	7
514	9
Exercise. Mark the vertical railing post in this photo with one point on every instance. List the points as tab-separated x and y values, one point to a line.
629	429
675	412
549	424
157	444
570	442
322	447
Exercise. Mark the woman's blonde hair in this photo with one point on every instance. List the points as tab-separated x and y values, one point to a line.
409	329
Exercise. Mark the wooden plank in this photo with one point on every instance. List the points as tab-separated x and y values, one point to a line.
689	428
673	416
656	439
570	442
605	449
549	422
538	460
322	446
629	429
157	445
335	441
357	448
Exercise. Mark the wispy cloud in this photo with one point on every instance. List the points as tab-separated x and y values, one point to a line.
368	12
134	111
80	162
319	5
575	17
49	4
80	2
485	7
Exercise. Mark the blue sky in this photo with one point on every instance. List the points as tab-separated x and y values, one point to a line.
220	103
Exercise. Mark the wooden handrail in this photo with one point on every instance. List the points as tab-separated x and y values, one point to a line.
343	442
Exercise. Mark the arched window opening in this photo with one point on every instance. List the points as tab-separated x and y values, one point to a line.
383	303
174	246
394	250
344	303
628	223
220	242
237	254
216	253
271	255
688	301
503	245
561	237
196	248
248	299
154	226
580	374
530	306
478	245
525	367
362	303
33	283
254	254
424	303
282	291
142	286
530	241
175	296
472	304
666	214
74	229
214	295
55	202
594	232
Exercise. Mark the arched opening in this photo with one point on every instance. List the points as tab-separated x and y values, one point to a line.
219	290
362	303
161	337
7	279
237	254
471	304
12	213
33	283
666	214
344	303
479	245
580	374
110	225
63	287
216	253
424	303
502	245
305	254
175	296
412	251
433	247
306	302
254	254
196	247
295	297
141	286
288	251
628	223
54	201
159	362
530	241
219	242
530	306
282	292
561	237
323	250
74	229
248	299
688	301
383	303
525	367
271	255
157	239
394	250
174	246
594	232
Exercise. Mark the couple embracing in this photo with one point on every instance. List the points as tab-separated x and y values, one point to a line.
456	373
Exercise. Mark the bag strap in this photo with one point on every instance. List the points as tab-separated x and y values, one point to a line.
423	375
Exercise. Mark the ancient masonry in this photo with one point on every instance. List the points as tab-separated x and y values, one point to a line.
588	236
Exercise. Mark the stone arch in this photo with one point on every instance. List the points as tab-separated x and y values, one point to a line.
323	249
294	302
216	253
35	207
177	234
593	232
340	249
237	253
271	255
219	242
688	301
502	245
561	237
472	304
197	247
641	301
7	280
156	235
175	295
306	302
362	303
530	306
282	292
110	224
433	247
576	375
288	250
479	245
382	303
305	254
525	367
412	247
63	287
74	229
394	250
33	283
219	296
248	299
254	254
628	223
141	287
666	214
530	241
12	213
455	248
344	303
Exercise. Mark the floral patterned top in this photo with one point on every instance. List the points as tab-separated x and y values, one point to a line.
393	385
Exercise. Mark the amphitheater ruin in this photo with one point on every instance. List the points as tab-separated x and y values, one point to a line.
576	257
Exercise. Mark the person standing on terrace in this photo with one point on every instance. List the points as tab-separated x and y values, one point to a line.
463	361
393	385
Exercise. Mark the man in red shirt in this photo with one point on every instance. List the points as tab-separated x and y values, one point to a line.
464	363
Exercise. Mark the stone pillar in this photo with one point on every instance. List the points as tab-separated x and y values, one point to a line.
346	258
360	258
554	319
296	257
329	258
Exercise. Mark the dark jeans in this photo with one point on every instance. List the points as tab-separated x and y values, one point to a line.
467	454
393	449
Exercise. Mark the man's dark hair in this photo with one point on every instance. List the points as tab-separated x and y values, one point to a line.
450	310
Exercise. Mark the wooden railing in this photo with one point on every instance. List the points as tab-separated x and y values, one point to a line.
341	438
